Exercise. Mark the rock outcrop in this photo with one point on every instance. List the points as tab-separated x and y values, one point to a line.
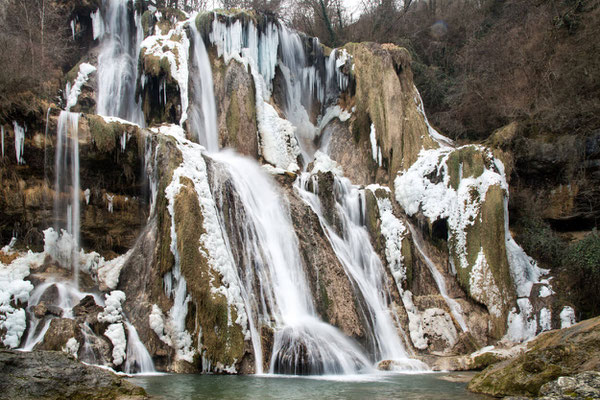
54	375
553	354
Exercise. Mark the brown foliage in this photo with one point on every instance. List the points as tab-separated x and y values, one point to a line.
34	42
482	64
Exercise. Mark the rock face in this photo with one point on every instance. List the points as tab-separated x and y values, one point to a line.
236	106
551	355
154	196
387	99
54	375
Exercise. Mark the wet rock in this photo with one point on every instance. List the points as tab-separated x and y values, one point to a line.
329	284
353	156
236	106
447	363
41	310
87	312
59	332
54	375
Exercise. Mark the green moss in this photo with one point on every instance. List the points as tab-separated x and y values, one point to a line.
221	342
471	160
372	215
165	258
103	135
483	235
148	22
72	74
156	66
326	302
484	360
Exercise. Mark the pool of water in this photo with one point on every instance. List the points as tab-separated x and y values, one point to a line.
430	386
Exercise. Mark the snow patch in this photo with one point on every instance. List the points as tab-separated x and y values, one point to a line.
74	91
567	317
174	46
116	334
71	347
109	271
15	291
156	320
113	310
483	286
324	164
545	320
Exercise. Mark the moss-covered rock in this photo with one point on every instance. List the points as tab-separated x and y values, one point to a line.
552	354
386	97
236	105
221	342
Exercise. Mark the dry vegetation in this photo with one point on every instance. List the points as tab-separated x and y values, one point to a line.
481	64
34	44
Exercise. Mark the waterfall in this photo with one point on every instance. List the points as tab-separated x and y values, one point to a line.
138	359
120	40
309	85
273	272
362	264
453	305
66	297
203	113
66	169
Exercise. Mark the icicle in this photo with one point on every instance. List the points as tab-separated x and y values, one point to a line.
19	141
97	24
2	129
110	198
73	28
124	138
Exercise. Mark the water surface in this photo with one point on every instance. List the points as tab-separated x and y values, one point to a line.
431	386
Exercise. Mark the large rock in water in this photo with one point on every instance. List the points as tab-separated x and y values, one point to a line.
54	375
551	355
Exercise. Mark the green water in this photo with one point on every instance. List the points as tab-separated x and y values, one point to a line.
371	387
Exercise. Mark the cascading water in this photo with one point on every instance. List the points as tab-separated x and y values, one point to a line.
66	185
308	85
362	264
138	359
202	114
63	295
121	36
274	278
455	308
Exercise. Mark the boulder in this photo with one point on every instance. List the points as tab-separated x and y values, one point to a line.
583	386
54	375
551	355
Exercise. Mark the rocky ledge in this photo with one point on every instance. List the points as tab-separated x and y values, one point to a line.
549	364
54	375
